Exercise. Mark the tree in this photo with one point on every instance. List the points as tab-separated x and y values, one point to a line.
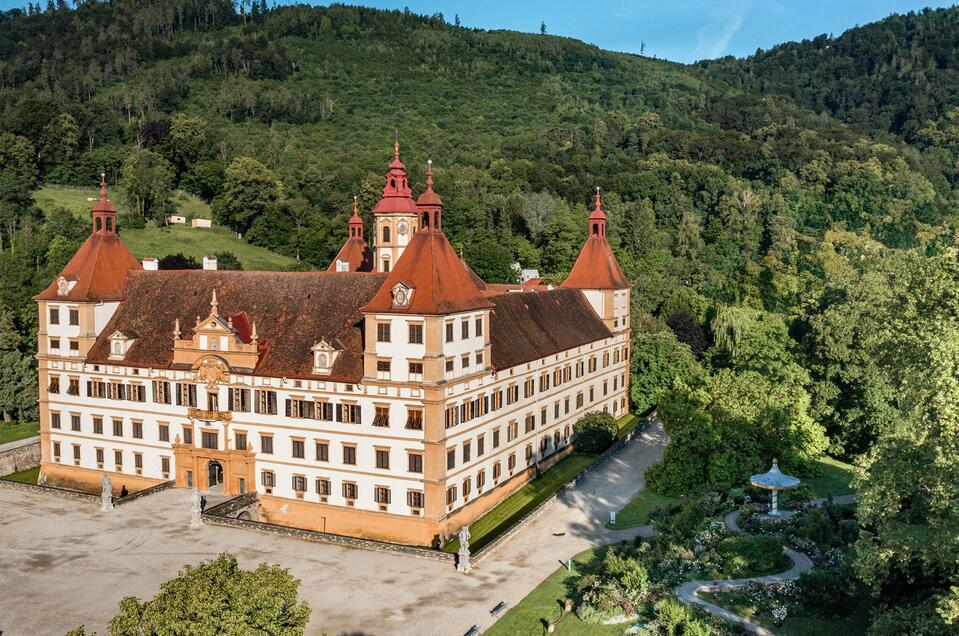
688	331
228	261
188	140
217	597
250	191
18	159
178	261
491	261
18	386
595	432
58	141
542	28
147	183
657	360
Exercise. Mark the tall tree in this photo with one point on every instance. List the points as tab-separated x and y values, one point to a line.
147	183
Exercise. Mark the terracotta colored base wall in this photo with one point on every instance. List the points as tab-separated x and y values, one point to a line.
347	521
87	480
475	509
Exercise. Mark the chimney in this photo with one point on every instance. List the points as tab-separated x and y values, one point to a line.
151	264
209	262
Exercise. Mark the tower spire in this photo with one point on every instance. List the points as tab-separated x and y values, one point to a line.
597	219
104	214
429	204
214	305
355	224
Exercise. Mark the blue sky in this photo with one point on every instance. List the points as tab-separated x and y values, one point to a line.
680	30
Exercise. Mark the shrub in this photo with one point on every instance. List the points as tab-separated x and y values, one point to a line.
751	555
827	591
595	432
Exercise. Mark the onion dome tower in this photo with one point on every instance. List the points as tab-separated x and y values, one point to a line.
395	216
355	255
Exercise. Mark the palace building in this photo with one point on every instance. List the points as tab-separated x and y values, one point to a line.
395	396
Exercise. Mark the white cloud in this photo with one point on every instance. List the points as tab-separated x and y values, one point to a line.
713	38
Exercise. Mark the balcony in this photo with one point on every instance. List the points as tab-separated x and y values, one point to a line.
209	416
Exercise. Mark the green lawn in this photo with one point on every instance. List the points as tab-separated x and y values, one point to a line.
799	624
626	423
28	476
11	431
511	509
78	201
197	242
636	512
834	478
529	616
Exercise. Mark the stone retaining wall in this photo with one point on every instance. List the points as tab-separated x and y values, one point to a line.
477	557
19	455
224	514
66	493
140	494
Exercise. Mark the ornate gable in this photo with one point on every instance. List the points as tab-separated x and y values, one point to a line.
216	337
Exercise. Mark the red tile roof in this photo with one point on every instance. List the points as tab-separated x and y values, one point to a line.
440	280
526	326
292	311
100	268
357	253
397	196
596	267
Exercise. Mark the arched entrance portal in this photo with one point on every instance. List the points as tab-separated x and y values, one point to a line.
215	476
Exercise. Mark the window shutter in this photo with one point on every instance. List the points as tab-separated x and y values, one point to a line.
359	415
288	408
339	412
89	388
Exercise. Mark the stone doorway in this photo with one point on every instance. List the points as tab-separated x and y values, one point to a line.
215	476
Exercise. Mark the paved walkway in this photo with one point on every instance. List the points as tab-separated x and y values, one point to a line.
64	562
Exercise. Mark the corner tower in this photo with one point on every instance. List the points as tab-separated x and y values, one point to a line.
598	275
355	255
395	216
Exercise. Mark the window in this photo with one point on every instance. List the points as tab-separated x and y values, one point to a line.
264	402
54	386
543	444
117	391
74	317
544	382
415	463
479	358
450	458
240	400
137	429
530	423
163	430
414	419
382	458
161	392
76	454
165	466
382	416
512	394
497	470
118	459
348	413
465	329
449	365
511	462
512	431
267	478
138	462
566	406
480	480
381	494
55	316
322	451
299	484
414	498
605	387
323	487
495	438
74	422
241	442
529	453
349	455
299	452
467	487
298	407
529	388
185	394
54	420
208	439
451	495
555	439
382	332
416	333
383	369
542	417
497	401
386	233
466	360
187	435
324	410
99	456
266	444
479	327
98	425
480	445
592	364
74	345
350	490
416	370
117	428
54	343
56	451
449	332
467	451
579	400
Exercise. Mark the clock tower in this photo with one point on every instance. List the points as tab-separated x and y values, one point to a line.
395	216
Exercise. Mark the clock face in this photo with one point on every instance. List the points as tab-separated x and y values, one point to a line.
403	227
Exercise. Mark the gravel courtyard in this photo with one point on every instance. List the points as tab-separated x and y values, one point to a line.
65	563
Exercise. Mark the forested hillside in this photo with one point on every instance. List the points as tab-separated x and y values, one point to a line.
789	220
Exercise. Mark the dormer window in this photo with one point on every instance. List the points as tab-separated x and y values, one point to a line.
64	285
402	295
120	344
324	356
342	265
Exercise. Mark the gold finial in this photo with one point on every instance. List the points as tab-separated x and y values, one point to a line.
214	305
229	322
176	329
356	204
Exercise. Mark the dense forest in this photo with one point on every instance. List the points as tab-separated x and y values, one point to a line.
789	220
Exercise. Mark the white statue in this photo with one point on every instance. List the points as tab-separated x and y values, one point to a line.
463	564
197	518
106	493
